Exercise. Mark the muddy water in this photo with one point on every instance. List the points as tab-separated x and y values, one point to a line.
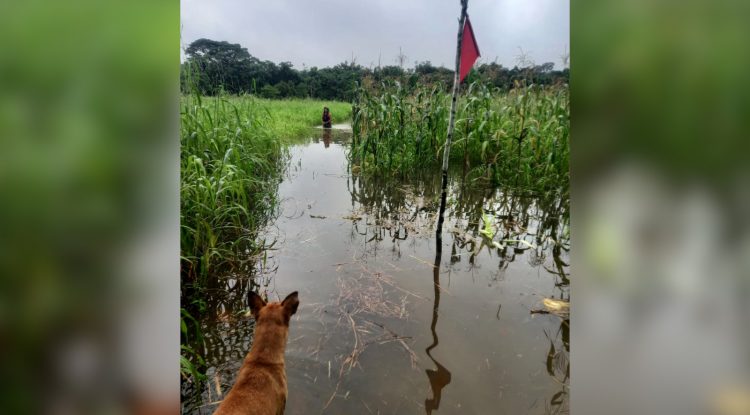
380	327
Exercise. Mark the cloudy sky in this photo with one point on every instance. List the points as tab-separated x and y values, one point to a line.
327	32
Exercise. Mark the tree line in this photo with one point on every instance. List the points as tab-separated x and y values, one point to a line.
212	67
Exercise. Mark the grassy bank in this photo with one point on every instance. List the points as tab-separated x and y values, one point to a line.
285	118
293	117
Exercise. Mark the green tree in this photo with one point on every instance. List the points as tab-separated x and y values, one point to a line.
218	65
269	91
214	66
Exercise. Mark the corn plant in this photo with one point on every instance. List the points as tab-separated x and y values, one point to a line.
517	138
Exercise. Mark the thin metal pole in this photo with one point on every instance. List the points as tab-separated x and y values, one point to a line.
452	119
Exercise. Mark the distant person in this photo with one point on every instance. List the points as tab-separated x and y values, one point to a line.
326	118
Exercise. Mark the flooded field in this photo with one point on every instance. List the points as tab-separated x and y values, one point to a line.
394	319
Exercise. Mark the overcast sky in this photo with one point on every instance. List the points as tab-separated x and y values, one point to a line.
327	32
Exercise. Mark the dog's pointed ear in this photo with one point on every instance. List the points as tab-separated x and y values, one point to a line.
255	303
290	303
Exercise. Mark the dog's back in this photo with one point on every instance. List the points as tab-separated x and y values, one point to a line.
260	388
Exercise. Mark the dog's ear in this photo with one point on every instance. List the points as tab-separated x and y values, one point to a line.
255	303
290	303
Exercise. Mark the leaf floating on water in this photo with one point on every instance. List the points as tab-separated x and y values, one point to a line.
488	230
559	308
556	305
520	241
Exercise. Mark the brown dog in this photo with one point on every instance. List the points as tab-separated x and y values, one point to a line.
260	388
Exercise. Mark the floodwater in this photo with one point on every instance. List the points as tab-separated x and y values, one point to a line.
382	329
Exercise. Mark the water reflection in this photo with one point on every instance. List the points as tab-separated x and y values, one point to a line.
558	366
441	377
342	232
338	134
527	226
326	137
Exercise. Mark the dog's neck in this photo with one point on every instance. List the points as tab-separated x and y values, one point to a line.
268	344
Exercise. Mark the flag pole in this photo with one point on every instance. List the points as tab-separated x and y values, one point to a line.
449	138
442	377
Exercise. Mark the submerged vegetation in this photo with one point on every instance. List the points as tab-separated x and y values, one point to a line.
517	138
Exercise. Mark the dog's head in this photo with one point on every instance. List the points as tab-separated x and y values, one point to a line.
273	313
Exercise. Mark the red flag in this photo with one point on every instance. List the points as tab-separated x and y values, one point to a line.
469	50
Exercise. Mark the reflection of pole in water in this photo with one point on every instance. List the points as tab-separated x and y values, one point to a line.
441	377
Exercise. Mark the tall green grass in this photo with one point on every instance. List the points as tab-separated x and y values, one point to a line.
291	118
230	165
231	160
288	118
517	138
